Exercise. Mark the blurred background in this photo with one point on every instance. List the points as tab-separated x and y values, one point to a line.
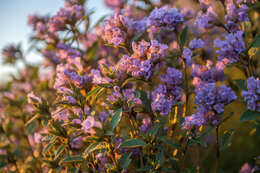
14	28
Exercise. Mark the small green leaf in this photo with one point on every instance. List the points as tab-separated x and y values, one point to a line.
75	158
133	143
154	129
184	36
159	158
226	139
125	160
249	115
116	118
32	119
49	145
92	147
241	84
168	142
92	92
256	41
59	151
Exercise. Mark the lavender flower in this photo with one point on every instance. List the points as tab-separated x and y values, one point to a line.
211	100
89	124
195	120
187	54
252	96
205	20
146	124
164	18
207	73
196	43
231	47
115	29
60	114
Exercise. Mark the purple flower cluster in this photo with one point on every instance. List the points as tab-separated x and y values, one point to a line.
210	100
235	15
252	95
196	43
164	18
205	19
115	4
164	96
115	29
207	73
89	124
70	14
144	58
66	51
146	124
193	121
231	47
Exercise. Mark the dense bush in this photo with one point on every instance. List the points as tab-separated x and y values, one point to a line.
157	86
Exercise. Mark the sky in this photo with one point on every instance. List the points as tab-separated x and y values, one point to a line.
13	21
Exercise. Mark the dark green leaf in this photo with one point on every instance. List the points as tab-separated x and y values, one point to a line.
49	145
154	129
168	142
241	84
159	158
256	41
116	118
226	139
184	36
249	115
92	147
125	160
92	92
59	151
133	143
76	158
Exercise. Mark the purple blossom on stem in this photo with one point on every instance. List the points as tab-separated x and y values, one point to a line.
252	95
89	124
231	47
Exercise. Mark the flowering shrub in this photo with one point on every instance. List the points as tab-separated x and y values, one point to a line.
149	88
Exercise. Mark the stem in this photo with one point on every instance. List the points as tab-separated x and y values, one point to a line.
186	89
217	149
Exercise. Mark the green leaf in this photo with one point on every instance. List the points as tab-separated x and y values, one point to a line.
241	84
184	36
249	115
125	160
133	143
75	158
116	118
159	158
154	129
59	151
92	92
256	41
92	147
32	119
226	139
49	145
168	142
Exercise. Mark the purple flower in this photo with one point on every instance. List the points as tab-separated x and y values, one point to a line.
146	124
164	18
60	114
103	116
71	100
195	120
207	73
196	43
211	100
231	47
252	96
187	54
205	20
89	124
160	101
115	29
